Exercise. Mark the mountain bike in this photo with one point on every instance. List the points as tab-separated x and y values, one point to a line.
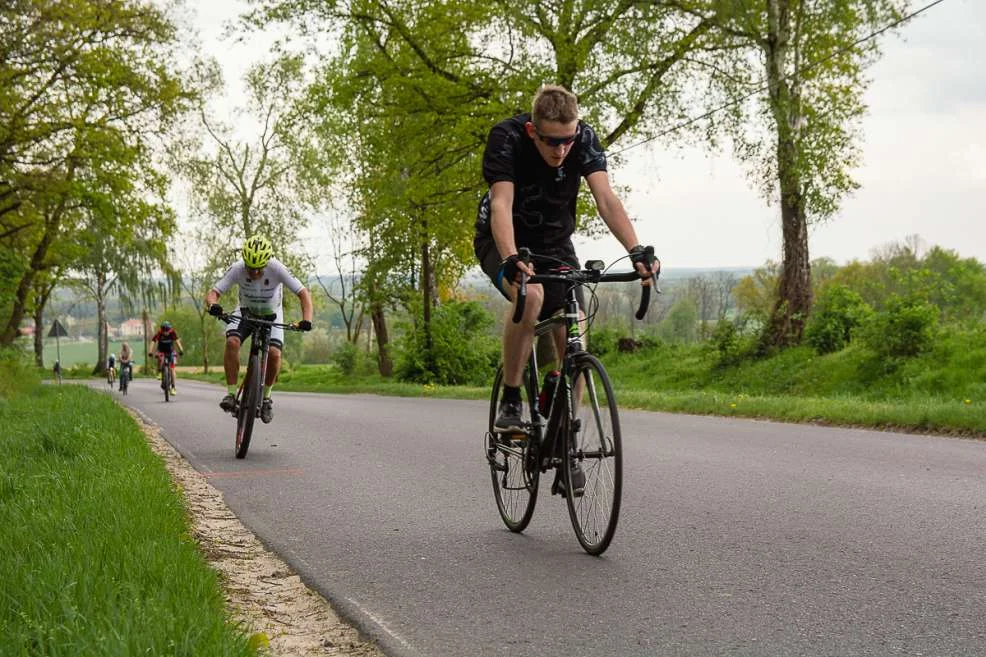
574	429
250	394
111	376
164	370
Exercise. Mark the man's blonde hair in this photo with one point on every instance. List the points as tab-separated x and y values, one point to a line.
554	103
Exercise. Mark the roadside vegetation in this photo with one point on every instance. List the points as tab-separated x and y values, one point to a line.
97	556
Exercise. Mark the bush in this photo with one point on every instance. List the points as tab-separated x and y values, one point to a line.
837	313
17	372
906	328
462	350
346	356
729	345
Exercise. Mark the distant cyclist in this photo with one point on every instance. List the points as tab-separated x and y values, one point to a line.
111	368
126	362
260	277
167	344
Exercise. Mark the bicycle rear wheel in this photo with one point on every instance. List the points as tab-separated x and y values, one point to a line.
124	381
595	447
247	407
515	487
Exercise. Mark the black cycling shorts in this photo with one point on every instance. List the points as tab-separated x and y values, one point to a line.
555	294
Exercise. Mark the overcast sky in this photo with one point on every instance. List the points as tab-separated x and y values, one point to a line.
923	171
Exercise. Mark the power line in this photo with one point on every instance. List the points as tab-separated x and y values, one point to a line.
764	87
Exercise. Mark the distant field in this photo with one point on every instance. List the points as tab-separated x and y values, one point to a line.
74	352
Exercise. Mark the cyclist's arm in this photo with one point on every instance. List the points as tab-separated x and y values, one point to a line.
611	209
306	304
502	221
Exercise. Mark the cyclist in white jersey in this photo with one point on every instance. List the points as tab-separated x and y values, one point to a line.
261	278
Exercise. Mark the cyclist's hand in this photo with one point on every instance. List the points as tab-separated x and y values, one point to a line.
512	266
644	262
181	352
304	325
215	310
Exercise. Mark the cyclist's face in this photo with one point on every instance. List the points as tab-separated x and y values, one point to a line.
554	139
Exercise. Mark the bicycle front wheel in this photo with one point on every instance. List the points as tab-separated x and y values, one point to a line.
596	454
247	410
166	381
515	486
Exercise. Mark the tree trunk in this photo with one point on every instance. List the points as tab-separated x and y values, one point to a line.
787	321
205	344
39	335
10	332
103	331
145	327
384	363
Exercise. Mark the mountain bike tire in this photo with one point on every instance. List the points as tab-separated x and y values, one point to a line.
247	409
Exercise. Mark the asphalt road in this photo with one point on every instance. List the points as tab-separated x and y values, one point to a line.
736	537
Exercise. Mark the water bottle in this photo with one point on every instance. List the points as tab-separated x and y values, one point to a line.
548	391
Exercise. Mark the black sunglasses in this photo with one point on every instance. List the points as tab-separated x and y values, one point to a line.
557	141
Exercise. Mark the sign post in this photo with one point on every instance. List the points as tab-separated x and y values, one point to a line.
58	331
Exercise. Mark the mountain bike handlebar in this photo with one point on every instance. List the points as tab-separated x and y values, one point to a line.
256	319
591	274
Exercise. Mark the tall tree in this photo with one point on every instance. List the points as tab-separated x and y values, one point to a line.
242	187
84	88
800	138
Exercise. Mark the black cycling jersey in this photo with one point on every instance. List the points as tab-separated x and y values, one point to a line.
544	196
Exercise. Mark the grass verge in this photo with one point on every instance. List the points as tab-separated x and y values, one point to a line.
97	556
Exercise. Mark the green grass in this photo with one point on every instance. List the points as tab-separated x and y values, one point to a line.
941	391
97	558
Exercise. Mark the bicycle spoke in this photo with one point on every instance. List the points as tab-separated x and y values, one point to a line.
514	487
596	447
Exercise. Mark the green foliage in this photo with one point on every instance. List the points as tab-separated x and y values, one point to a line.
904	329
681	323
729	346
17	372
194	332
838	312
459	350
346	356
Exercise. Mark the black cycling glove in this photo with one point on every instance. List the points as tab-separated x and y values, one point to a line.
509	269
644	255
215	310
304	325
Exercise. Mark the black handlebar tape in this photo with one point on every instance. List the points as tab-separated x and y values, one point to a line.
645	289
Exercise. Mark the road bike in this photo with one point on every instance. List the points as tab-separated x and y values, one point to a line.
250	395
126	373
574	428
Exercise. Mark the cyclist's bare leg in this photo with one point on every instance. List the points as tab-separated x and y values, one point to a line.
273	365
231	359
519	338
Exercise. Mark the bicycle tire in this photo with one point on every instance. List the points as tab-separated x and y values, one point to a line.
594	443
247	409
124	381
515	488
166	381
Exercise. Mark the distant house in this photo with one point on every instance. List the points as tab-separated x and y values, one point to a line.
130	328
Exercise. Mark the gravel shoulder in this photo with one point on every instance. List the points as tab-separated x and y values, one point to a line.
261	590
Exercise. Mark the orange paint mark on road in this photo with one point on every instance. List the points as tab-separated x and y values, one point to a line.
254	473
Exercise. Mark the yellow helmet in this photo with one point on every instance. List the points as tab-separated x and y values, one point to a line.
257	250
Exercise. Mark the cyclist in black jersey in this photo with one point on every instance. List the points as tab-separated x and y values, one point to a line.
534	164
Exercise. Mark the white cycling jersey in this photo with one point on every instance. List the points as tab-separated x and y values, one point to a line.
262	296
